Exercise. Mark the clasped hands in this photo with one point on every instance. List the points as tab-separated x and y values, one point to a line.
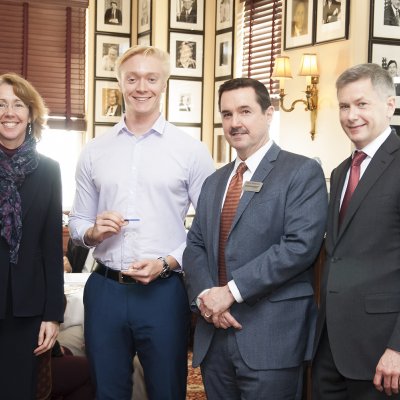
214	306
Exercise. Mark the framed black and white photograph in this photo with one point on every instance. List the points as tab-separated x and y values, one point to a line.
332	20
113	16
224	14
186	14
385	19
217	115
144	39
221	148
108	49
387	55
223	54
101	129
184	101
395	123
186	51
193	131
108	102
299	23
144	16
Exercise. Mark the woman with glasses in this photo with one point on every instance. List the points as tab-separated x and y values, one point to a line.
31	255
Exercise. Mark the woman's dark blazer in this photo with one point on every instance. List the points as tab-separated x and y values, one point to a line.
37	278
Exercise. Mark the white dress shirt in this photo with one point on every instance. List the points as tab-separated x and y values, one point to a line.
153	178
370	149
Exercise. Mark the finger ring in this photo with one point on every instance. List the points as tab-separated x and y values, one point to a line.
207	316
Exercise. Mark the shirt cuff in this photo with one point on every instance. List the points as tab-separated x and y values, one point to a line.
235	291
197	298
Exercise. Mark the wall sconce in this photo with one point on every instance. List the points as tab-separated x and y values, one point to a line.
309	69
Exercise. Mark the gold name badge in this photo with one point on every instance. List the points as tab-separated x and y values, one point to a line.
251	186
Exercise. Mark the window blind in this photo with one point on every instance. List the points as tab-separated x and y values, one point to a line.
44	41
262	27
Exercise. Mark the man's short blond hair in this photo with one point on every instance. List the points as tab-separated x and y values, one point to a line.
162	55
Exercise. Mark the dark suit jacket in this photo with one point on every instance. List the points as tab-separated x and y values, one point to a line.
329	14
275	238
191	17
389	18
361	281
117	111
76	256
108	16
37	278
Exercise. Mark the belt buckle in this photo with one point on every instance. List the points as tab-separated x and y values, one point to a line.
125	279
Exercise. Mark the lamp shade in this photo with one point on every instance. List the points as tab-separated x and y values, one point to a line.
282	68
309	65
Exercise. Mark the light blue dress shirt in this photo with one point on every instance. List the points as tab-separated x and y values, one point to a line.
153	178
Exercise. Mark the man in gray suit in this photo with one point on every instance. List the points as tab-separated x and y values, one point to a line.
358	353
255	331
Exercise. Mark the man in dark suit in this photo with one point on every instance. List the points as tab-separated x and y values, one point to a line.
113	15
189	12
392	13
255	295
113	108
331	11
358	336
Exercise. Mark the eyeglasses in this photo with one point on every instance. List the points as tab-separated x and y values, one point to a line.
17	107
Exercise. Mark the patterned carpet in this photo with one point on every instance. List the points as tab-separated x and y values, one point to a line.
195	388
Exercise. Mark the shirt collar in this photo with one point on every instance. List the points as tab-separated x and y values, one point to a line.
371	148
159	126
254	160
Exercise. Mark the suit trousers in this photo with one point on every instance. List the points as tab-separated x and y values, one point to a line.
226	376
152	320
18	364
329	384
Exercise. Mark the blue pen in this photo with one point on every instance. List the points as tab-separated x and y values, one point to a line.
132	219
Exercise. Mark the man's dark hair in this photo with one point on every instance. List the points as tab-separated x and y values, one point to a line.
262	95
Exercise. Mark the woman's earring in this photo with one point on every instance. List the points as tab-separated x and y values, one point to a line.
29	128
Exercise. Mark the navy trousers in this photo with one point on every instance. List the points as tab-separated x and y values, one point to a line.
152	320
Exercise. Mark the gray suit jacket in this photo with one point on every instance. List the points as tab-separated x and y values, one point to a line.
275	237
361	282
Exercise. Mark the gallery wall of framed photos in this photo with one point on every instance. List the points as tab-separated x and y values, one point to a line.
186	48
312	22
384	46
112	38
223	70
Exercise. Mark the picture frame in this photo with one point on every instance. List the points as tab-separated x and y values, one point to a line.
184	101
108	49
193	21
223	54
193	131
395	123
104	18
144	15
332	21
386	54
144	39
224	14
299	23
186	51
381	21
217	115
100	129
221	148
107	93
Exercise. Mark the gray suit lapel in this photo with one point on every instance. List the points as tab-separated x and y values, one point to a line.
260	174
